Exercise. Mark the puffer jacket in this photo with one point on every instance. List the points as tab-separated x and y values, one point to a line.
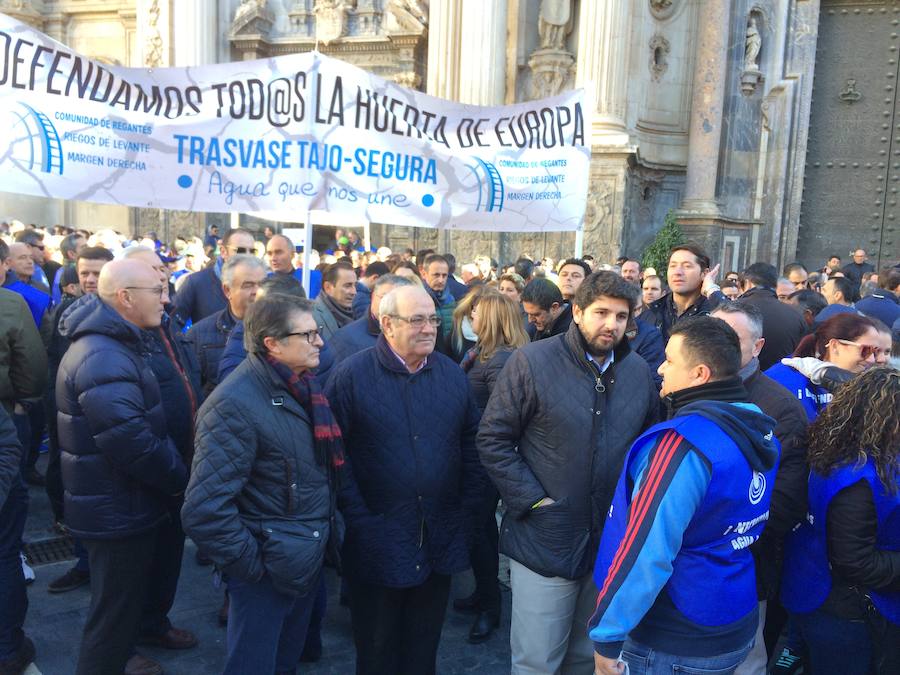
258	503
483	375
208	338
412	482
554	427
119	465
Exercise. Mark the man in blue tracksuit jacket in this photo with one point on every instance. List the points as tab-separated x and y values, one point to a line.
675	573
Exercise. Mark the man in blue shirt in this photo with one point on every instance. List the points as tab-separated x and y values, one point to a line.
675	572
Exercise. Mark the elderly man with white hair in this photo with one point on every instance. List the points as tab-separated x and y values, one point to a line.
412	484
120	466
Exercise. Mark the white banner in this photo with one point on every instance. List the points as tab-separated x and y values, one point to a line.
285	134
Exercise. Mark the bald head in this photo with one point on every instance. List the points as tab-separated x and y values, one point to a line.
280	254
132	288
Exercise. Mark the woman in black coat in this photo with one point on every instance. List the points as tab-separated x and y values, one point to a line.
261	499
497	322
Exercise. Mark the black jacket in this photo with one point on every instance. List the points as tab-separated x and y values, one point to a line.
559	326
483	375
664	315
788	505
554	427
783	325
258	502
208	338
200	295
10	456
119	465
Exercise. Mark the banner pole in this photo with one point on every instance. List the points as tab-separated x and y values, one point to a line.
307	244
367	236
579	243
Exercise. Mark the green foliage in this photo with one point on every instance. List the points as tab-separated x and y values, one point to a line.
656	255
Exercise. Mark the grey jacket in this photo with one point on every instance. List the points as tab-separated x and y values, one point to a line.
554	427
325	320
258	502
23	359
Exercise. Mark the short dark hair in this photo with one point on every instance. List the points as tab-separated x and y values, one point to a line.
226	238
543	293
808	299
576	261
793	267
845	286
760	274
451	261
332	272
834	255
286	284
434	258
889	278
69	243
694	248
270	316
609	284
712	342
95	253
4	253
524	268
422	255
30	237
376	269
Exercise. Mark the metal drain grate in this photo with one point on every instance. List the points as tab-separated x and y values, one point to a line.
50	551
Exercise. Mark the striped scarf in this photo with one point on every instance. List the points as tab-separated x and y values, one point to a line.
327	439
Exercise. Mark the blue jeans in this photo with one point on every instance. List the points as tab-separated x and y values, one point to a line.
643	660
835	646
13	600
266	628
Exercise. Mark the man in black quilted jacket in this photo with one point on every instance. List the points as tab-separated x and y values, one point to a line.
120	467
553	437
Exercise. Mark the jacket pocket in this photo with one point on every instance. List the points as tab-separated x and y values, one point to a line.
293	553
547	541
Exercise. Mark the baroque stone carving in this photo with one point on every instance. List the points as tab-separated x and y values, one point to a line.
331	19
662	9
598	218
153	57
554	23
551	63
659	56
751	75
408	16
251	17
409	79
850	94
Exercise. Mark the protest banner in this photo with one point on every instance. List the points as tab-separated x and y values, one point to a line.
285	134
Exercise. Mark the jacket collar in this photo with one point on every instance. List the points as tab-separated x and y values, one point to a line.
388	358
279	395
372	325
759	290
225	321
577	346
731	390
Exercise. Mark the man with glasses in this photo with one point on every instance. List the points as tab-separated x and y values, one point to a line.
120	466
412	485
201	294
241	277
34	240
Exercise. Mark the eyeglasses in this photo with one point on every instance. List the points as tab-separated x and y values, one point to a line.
241	249
865	351
158	290
418	322
310	335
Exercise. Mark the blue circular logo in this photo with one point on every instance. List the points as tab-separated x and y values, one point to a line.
757	487
185	181
427	200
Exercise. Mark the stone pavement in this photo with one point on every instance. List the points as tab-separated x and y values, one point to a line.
55	621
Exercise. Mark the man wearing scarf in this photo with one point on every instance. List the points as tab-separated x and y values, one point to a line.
333	308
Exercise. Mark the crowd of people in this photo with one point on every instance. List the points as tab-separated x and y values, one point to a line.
689	476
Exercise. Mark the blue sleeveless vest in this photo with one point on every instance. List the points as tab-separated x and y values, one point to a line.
807	575
812	397
713	580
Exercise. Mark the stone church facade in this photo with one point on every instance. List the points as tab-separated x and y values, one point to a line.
769	126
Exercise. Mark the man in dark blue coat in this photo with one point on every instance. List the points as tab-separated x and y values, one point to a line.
412	486
120	467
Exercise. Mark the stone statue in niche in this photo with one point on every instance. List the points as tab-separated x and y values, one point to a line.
331	19
751	75
551	64
752	47
554	23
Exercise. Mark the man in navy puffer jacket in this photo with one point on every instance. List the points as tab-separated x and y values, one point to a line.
119	465
412	485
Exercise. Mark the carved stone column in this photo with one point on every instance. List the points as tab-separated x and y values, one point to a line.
195	32
482	57
706	108
444	27
603	47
